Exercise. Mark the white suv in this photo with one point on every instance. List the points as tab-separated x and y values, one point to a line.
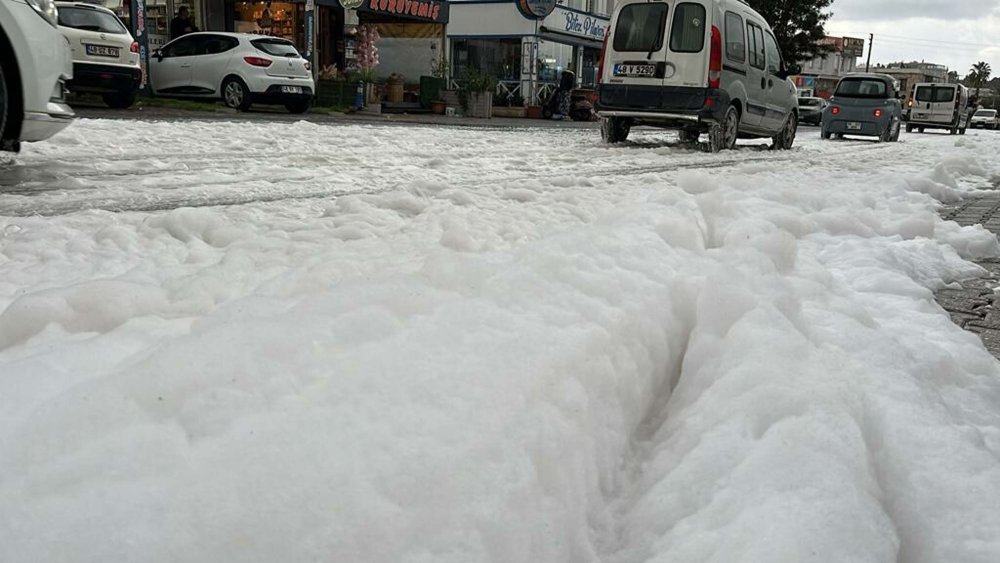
34	66
105	57
238	68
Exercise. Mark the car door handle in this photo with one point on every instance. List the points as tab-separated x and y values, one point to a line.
186	65
763	83
770	83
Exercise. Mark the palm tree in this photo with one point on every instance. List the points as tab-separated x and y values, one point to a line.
981	72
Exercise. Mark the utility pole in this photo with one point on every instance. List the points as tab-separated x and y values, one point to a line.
871	42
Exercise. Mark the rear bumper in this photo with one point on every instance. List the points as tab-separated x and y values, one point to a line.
274	95
868	128
667	105
97	78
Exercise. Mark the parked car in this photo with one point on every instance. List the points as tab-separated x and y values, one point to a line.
939	106
35	64
864	104
241	69
811	110
698	67
986	119
105	57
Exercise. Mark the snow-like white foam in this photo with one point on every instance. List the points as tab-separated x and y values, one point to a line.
534	349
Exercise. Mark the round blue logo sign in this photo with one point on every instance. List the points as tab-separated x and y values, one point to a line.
536	9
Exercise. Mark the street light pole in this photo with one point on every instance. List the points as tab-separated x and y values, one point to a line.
871	42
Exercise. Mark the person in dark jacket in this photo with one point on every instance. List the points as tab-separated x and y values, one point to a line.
182	24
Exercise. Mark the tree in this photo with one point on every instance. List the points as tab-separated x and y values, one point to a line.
980	74
798	26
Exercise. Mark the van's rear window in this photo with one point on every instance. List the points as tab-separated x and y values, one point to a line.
90	19
640	28
862	88
935	94
687	35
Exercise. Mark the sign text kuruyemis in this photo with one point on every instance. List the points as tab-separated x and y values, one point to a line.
424	10
584	25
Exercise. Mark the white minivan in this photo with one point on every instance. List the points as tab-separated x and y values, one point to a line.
704	66
939	106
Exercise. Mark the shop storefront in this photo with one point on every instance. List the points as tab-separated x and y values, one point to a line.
411	35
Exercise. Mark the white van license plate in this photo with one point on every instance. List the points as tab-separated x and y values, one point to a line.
291	89
102	51
639	71
854	125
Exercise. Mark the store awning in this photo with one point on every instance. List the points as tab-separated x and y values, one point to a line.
548	35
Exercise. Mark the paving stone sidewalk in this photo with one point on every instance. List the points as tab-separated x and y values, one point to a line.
976	307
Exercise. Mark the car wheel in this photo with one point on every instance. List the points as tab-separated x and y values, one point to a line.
688	136
297	106
961	131
784	140
615	129
235	94
921	130
909	129
120	100
825	135
895	133
3	102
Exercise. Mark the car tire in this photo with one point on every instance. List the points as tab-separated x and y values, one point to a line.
909	129
921	130
4	102
615	130
895	134
298	106
120	100
688	136
961	131
235	94
785	138
825	135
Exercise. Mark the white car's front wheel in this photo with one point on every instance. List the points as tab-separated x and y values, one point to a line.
4	104
236	94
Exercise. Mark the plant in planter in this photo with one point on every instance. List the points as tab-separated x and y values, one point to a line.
476	93
439	83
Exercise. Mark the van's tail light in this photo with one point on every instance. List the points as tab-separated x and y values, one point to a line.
910	103
878	113
835	110
258	61
715	60
135	47
600	64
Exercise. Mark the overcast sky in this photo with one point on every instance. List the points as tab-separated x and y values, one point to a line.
956	33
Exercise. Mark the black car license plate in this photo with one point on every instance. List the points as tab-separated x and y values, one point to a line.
291	89
635	70
102	51
854	125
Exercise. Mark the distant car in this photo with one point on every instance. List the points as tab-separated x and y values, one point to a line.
986	119
105	57
811	110
34	66
866	105
939	106
241	69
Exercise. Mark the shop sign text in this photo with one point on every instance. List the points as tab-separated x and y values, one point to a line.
584	25
412	8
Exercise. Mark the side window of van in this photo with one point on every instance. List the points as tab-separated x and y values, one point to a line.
640	28
755	37
736	44
773	54
687	35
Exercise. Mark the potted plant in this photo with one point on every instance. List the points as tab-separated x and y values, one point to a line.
476	93
512	106
432	87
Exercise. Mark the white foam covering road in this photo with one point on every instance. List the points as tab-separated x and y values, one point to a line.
298	342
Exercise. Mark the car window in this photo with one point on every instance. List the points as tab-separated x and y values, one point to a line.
862	88
773	54
640	28
755	38
183	47
736	48
687	35
986	113
810	102
90	19
215	44
935	94
276	47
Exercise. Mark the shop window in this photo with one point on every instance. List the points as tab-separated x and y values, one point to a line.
553	59
499	57
272	19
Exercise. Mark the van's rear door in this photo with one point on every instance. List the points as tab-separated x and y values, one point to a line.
659	50
934	103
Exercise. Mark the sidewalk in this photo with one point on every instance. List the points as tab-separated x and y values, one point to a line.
975	307
223	113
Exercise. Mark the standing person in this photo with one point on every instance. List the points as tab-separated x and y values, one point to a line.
182	24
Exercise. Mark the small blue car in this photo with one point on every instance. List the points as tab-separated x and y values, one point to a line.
866	105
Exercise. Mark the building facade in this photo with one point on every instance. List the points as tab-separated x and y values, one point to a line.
819	76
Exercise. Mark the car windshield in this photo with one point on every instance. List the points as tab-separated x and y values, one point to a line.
276	47
935	94
90	19
862	88
810	102
986	113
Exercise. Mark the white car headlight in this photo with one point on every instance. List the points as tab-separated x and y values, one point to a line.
46	9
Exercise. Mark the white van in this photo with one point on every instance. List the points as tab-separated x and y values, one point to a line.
698	66
939	106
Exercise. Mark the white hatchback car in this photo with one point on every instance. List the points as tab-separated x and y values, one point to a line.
105	57
239	68
985	118
34	66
